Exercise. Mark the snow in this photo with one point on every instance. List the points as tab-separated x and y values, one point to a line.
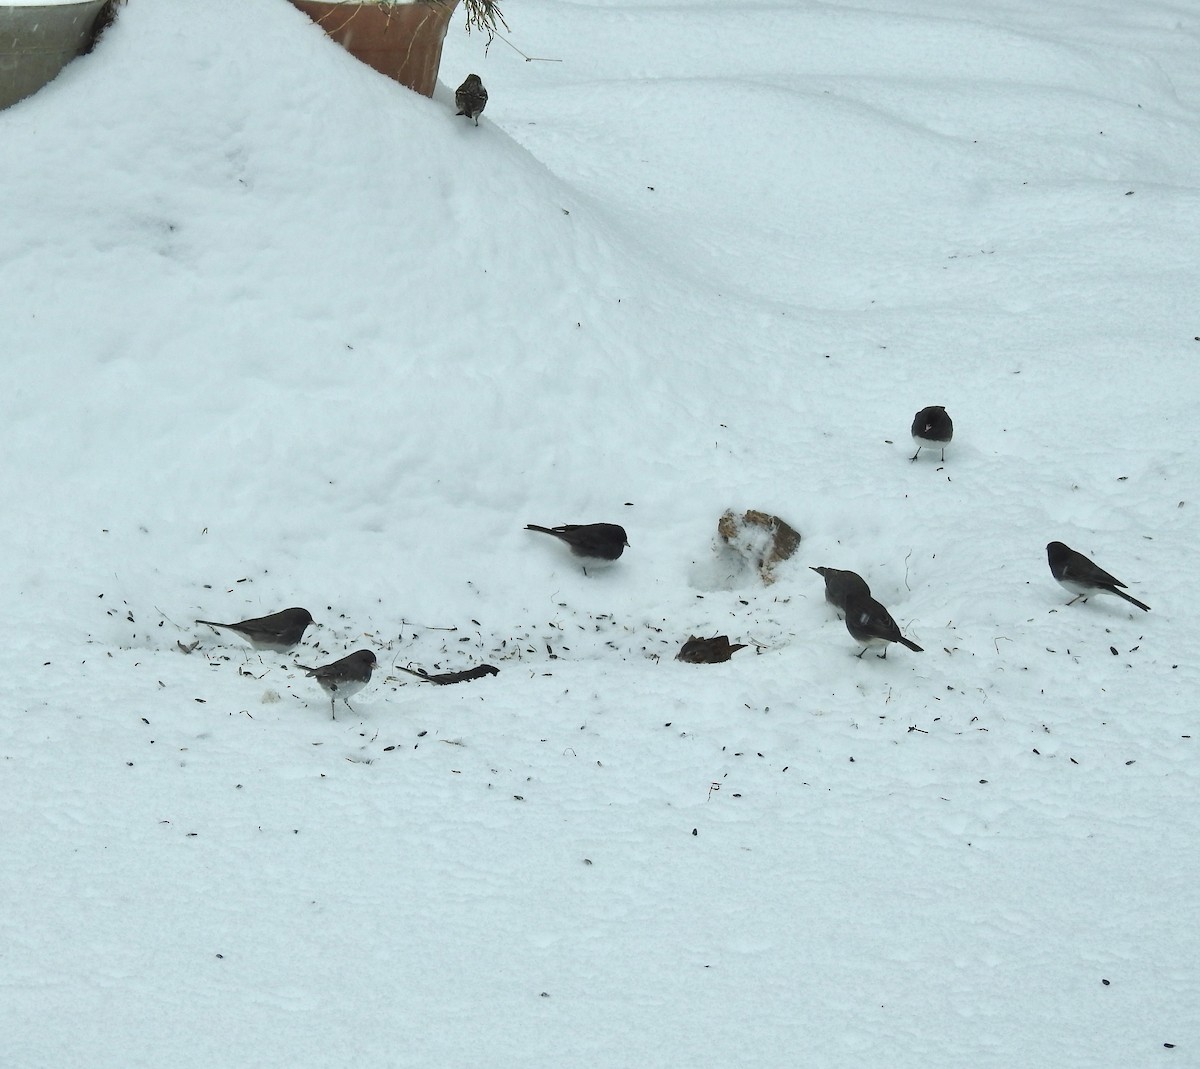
282	333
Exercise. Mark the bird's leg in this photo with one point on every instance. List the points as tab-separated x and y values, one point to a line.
882	656
332	711
1075	599
915	455
861	652
943	454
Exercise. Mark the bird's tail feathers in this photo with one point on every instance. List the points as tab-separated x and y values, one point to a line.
1130	598
910	644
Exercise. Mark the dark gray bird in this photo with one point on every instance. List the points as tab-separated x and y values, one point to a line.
932	427
841	585
713	650
278	632
1082	577
446	678
871	624
471	98
341	679
593	543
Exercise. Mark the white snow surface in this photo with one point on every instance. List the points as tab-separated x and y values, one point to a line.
279	332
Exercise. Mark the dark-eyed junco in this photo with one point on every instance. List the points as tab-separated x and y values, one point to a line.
713	650
871	624
471	98
593	543
932	427
446	678
1082	577
841	585
279	632
340	679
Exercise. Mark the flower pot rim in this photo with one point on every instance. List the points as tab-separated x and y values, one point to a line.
26	5
386	3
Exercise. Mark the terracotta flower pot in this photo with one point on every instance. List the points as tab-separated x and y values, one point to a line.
401	40
37	41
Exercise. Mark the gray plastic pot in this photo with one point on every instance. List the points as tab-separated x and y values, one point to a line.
37	41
